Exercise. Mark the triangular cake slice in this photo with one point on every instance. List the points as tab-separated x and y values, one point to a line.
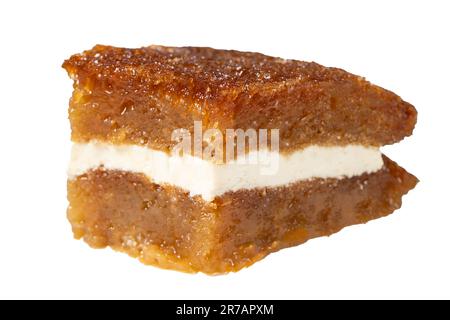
197	211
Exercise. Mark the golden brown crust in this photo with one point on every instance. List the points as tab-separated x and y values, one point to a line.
164	226
197	73
140	95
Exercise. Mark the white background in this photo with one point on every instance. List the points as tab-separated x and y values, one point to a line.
400	45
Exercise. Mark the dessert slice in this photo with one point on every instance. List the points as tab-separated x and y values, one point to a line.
315	166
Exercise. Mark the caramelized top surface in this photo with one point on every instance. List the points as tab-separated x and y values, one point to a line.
202	72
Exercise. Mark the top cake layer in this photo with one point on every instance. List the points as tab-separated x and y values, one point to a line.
139	96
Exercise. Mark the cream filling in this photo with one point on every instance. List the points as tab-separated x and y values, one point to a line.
207	179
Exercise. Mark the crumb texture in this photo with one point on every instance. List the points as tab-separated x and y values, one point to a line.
140	96
163	226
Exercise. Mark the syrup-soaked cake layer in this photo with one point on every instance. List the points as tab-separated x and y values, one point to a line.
163	226
139	96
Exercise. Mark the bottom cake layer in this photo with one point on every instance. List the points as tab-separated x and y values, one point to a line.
163	226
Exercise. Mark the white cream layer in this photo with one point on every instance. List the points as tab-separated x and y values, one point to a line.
201	177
